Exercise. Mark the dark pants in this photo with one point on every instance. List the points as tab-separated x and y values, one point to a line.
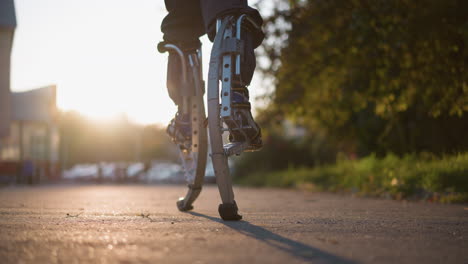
190	19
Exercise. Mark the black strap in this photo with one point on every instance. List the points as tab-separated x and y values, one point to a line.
232	46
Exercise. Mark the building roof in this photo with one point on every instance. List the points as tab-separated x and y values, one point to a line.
38	105
7	14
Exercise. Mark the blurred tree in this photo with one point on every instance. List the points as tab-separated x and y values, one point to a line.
157	145
376	76
285	146
88	141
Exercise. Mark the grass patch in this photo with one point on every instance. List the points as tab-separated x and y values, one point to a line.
412	176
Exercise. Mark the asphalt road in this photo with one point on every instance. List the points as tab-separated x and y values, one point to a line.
140	224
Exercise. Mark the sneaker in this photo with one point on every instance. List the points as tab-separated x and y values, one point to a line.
180	130
243	127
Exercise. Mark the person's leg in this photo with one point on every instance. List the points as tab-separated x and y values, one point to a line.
182	27
187	20
184	22
213	10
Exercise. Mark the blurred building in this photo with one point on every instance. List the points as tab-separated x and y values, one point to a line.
30	153
7	30
28	131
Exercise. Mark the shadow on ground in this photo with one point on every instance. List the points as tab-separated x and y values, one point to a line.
294	248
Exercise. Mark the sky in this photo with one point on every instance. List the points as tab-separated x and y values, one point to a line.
101	54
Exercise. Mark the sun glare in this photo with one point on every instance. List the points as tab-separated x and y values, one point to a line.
143	109
101	55
103	66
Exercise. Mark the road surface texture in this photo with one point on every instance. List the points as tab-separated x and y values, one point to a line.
140	224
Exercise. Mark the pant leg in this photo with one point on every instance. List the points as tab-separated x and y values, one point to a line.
214	9
189	19
184	22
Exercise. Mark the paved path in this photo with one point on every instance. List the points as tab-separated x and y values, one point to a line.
110	224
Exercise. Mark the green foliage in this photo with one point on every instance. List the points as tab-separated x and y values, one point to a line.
378	76
362	76
424	176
